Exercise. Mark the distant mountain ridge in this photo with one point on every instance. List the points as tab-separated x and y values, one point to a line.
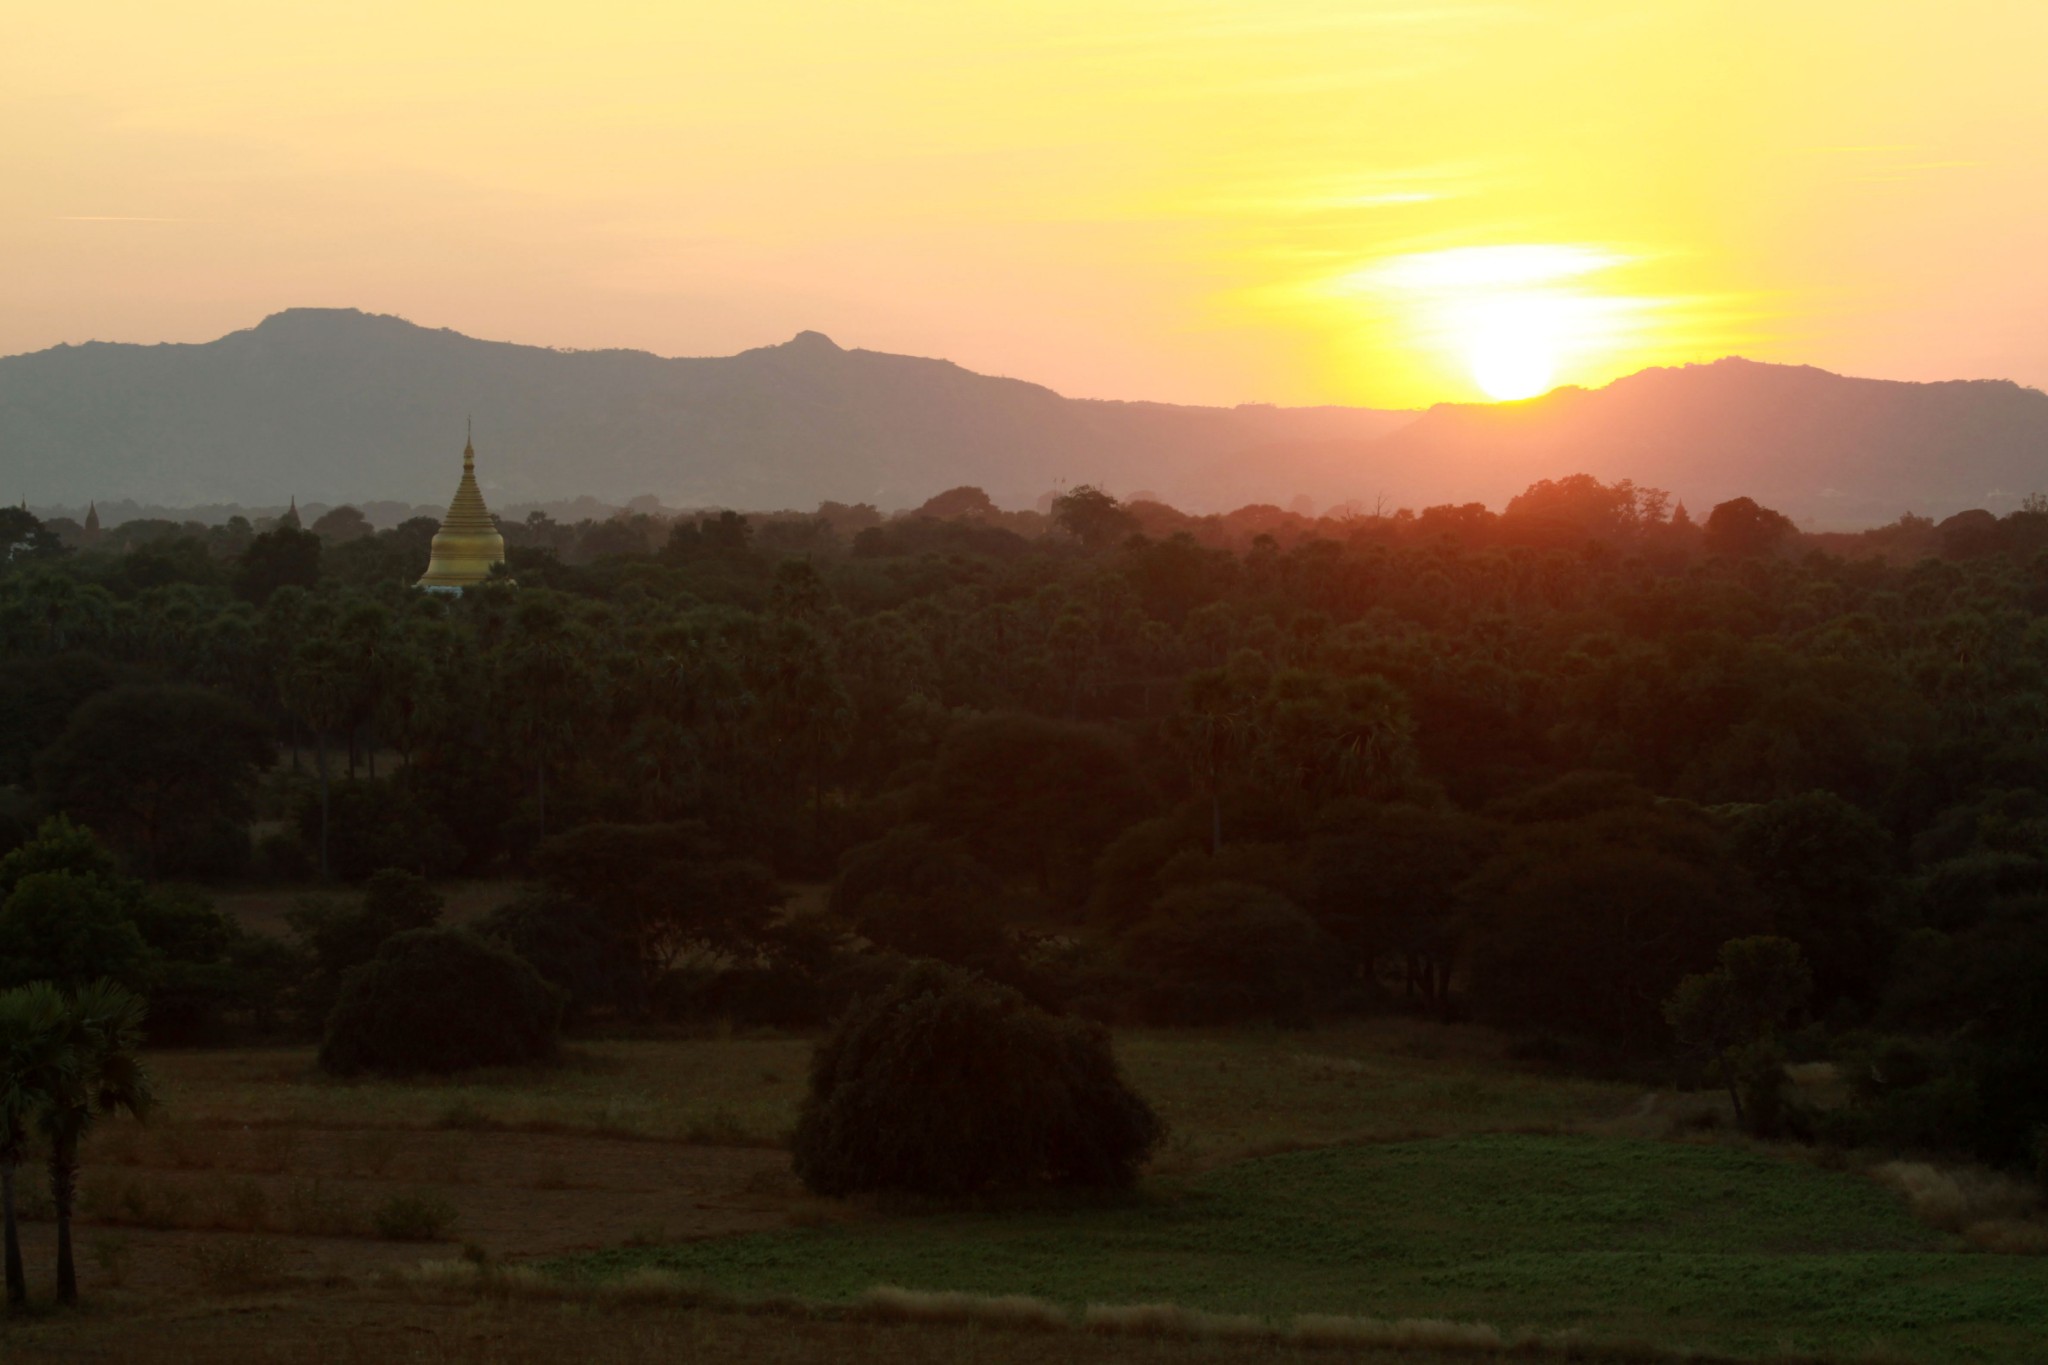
332	405
1835	451
335	405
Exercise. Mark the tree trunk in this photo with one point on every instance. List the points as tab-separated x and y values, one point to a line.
817	800
540	786
352	752
321	751
17	1279
64	1190
1215	821
370	751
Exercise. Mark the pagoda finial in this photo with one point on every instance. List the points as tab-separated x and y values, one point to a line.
468	443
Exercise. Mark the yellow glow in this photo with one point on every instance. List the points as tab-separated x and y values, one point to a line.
1514	318
1121	198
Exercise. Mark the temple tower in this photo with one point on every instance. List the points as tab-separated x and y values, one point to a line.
468	543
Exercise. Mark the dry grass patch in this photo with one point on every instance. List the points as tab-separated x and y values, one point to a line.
1993	1212
888	1303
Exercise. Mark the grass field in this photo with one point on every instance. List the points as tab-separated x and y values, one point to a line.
1694	1244
1386	1168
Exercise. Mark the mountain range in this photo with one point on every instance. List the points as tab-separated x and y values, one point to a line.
333	405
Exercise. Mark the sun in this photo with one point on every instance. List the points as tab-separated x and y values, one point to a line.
1512	344
1517	320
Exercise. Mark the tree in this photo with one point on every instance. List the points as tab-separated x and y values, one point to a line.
1586	926
33	1061
315	688
1732	1013
1035	796
1214	729
806	705
544	677
947	1084
955	503
1093	517
1826	867
102	1032
1386	882
340	525
1743	529
23	537
437	1001
1226	950
158	770
662	889
923	897
280	558
70	929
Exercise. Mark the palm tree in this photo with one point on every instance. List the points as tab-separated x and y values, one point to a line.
102	1029
33	1061
315	687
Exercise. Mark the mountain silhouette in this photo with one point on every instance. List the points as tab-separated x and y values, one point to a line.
336	405
1829	450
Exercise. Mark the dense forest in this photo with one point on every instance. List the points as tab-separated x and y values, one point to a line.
1688	798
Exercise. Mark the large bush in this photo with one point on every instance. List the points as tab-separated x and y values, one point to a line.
947	1084
440	1000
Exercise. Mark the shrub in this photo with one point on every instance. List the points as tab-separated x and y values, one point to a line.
439	1000
947	1084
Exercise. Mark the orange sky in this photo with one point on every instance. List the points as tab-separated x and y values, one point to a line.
1278	200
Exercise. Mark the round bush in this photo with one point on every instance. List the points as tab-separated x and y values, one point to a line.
947	1084
439	1000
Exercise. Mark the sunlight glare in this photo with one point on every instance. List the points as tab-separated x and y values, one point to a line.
1515	320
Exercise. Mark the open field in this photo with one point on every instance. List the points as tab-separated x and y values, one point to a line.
1698	1244
1226	1094
1389	1168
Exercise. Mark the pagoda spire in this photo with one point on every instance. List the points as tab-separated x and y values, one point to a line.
468	544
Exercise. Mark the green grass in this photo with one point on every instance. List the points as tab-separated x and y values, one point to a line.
1713	1246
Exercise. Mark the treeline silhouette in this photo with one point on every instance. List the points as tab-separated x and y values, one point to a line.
1537	767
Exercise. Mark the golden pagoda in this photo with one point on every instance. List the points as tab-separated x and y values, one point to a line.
468	543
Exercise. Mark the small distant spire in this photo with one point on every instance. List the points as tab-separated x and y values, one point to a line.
291	514
468	443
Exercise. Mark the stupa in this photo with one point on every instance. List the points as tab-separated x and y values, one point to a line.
468	544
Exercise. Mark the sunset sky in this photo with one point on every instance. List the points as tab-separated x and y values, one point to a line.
1254	200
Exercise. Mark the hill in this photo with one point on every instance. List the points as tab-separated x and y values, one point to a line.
1828	450
335	405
